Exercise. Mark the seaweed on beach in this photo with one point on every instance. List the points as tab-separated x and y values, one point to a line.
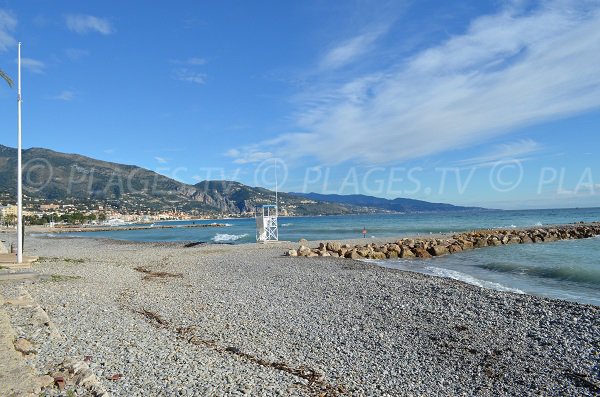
150	274
316	381
154	317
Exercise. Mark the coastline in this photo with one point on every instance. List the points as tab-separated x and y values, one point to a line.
235	319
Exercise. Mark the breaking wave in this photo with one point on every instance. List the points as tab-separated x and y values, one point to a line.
436	271
219	237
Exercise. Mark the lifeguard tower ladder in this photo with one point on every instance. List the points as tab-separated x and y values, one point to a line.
266	223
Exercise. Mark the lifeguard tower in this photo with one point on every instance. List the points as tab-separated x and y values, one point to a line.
266	223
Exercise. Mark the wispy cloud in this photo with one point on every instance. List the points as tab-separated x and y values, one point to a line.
65	95
248	154
520	150
507	71
161	160
88	23
33	65
194	61
8	23
185	74
75	54
351	49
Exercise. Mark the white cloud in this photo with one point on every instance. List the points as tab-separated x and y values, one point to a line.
8	23
161	160
519	151
65	95
505	72
184	74
248	154
350	50
88	23
33	65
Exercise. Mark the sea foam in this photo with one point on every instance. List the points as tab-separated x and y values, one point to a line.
219	237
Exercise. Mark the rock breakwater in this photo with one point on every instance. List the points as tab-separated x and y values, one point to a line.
428	247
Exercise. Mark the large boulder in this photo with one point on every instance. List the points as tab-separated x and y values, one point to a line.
480	243
454	248
353	254
421	253
438	250
526	239
465	244
333	246
377	255
392	255
406	253
304	251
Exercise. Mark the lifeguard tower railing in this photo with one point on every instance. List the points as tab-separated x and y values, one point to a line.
266	223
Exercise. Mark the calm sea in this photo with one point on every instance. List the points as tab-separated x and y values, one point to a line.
565	269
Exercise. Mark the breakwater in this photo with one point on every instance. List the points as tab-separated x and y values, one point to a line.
428	247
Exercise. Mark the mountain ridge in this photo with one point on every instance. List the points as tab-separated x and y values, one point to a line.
398	204
53	176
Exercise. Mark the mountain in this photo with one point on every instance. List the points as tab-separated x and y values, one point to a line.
50	176
395	205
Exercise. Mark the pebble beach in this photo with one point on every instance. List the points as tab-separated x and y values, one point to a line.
227	320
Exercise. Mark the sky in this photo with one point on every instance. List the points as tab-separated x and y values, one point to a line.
487	103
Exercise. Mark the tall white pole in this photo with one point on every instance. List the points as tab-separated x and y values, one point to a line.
19	170
276	189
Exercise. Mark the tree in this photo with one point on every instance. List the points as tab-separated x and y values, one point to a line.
6	78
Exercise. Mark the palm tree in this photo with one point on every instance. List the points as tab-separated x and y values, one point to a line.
6	78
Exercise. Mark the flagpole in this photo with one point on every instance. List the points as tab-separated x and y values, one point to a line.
19	169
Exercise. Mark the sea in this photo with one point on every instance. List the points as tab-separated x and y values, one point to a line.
567	270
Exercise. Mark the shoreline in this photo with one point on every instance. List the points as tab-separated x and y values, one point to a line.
235	319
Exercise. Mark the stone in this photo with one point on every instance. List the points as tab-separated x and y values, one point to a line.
394	247
333	254
24	346
454	248
494	241
480	243
353	254
304	251
421	253
526	240
333	246
465	244
392	255
377	255
291	253
438	250
514	240
406	253
3	249
303	241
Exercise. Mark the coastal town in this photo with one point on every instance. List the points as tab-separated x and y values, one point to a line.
79	212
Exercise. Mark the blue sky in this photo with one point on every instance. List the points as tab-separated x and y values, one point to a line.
478	103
